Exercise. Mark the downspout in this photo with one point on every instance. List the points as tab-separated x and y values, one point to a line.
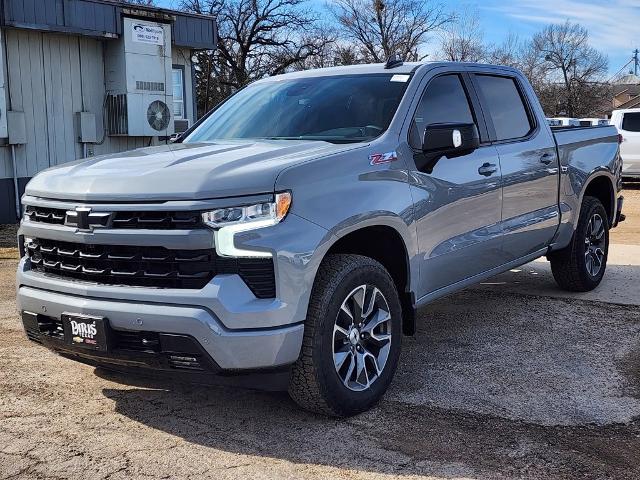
15	182
194	94
14	161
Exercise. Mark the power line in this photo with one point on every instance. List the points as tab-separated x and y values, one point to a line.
635	59
618	72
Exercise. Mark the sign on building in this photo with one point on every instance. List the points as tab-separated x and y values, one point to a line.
145	33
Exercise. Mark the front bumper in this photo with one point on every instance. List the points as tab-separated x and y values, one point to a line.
237	330
228	350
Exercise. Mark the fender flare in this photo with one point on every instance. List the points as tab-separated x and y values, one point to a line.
613	200
409	239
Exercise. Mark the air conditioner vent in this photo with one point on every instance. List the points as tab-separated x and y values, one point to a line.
150	86
117	118
180	125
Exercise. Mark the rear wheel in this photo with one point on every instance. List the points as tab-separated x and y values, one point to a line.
352	338
580	266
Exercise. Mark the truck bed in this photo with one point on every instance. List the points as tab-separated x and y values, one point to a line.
575	139
584	152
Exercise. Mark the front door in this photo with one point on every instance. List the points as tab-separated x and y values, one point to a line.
457	206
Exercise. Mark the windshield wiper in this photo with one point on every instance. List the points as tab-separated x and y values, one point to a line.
320	138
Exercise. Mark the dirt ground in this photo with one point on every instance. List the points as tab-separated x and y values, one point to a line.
503	380
628	232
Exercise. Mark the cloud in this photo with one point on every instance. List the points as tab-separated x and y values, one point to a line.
613	24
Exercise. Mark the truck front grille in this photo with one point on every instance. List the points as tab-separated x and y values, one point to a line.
147	266
153	220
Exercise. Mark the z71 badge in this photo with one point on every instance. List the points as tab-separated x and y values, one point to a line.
380	158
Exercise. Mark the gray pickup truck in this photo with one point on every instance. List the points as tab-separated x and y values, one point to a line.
292	233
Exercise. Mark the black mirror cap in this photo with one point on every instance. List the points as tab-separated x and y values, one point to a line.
450	139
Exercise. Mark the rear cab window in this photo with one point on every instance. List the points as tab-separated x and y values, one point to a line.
631	122
505	106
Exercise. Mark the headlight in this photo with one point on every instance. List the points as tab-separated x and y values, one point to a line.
232	220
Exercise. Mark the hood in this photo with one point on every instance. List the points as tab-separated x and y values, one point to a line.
181	171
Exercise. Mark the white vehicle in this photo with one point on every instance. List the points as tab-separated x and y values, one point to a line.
593	122
563	122
628	124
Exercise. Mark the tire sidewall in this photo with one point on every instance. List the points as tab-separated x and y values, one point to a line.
341	399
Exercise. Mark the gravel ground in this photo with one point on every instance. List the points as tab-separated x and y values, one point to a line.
629	232
8	235
498	383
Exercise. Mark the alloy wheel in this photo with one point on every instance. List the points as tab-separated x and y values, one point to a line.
595	244
362	337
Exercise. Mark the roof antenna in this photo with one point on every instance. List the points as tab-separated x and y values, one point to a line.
394	61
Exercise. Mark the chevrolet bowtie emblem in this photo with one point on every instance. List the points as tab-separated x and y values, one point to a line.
84	220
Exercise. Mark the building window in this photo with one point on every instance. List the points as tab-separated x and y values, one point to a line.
178	92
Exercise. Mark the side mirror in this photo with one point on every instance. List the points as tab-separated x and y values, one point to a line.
447	140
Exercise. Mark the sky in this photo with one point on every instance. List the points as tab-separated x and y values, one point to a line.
614	25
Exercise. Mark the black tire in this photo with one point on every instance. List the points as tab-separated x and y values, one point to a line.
570	265
315	382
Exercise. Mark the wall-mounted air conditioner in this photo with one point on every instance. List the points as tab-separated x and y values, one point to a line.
138	77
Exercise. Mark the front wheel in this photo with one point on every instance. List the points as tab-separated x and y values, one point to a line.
352	338
580	266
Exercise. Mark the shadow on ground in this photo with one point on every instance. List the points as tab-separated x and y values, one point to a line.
521	388
392	439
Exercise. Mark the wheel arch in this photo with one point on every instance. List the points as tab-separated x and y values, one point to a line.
385	244
600	185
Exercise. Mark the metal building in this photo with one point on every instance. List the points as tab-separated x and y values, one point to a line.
80	78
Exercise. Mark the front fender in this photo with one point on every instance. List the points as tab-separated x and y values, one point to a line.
391	220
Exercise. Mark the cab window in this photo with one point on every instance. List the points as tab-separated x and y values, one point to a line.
631	122
506	107
444	101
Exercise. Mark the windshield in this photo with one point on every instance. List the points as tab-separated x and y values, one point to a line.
335	109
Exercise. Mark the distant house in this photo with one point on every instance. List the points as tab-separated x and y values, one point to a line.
626	92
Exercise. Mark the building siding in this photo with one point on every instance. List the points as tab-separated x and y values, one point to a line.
102	18
51	77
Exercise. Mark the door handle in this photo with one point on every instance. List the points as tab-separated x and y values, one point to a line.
487	169
547	158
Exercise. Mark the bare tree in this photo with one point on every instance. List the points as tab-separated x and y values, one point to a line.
146	3
381	28
333	52
574	72
509	52
462	40
256	38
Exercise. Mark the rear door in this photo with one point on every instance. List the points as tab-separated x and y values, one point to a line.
457	206
630	146
529	163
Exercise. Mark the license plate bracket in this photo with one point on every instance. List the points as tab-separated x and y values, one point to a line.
86	331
